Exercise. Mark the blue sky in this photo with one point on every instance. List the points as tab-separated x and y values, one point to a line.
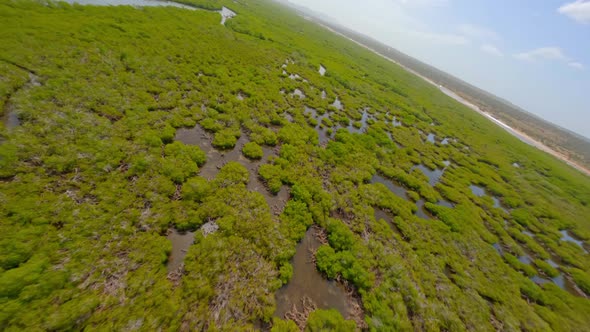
534	53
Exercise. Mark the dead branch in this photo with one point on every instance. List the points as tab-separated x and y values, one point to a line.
300	316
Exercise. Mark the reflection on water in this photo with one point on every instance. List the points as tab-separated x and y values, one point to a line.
562	282
382	214
498	248
526	259
568	238
289	117
337	103
567	284
217	159
480	192
421	212
433	175
298	93
431	138
354	130
539	281
10	118
401	192
180	244
322	132
308	282
138	3
496	202
226	14
445	203
477	190
395	188
552	263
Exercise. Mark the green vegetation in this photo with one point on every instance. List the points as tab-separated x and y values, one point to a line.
328	320
549	270
95	175
225	139
253	150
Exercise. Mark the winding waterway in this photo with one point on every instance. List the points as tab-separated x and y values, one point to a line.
225	12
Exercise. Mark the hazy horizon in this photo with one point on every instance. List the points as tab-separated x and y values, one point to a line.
534	56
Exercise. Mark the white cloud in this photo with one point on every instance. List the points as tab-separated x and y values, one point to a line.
424	3
550	54
576	65
543	53
440	38
491	49
578	10
477	32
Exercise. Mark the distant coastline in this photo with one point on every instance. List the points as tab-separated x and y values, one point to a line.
515	132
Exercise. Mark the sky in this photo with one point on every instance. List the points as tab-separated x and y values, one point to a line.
534	53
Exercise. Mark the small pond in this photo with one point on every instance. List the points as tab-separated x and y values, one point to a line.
308	282
431	138
552	263
422	212
398	190
480	192
216	159
445	203
226	14
10	118
433	175
298	93
337	103
382	214
526	259
562	282
498	248
566	236
180	244
365	117
477	190
322	132
401	192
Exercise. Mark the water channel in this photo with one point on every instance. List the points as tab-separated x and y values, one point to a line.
308	282
225	12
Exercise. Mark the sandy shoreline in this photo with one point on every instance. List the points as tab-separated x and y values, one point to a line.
517	133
